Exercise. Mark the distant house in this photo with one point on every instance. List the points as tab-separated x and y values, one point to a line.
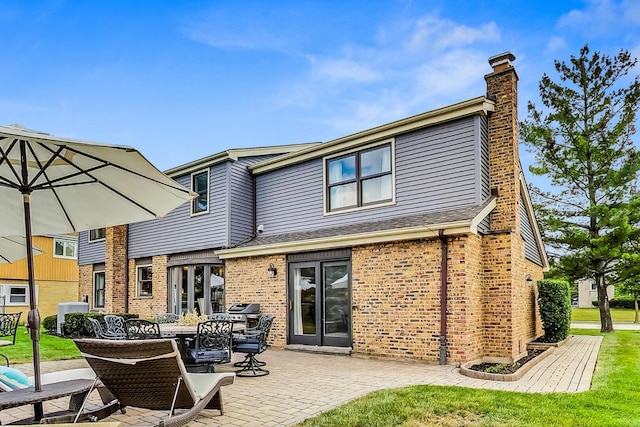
56	276
415	239
588	293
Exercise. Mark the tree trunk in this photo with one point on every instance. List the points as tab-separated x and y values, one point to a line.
635	303
606	324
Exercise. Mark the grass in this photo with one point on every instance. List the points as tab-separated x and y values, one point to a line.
612	400
618	315
51	348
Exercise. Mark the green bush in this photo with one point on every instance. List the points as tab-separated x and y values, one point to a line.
619	302
50	324
77	325
554	301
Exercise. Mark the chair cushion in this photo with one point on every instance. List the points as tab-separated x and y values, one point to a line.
210	355
248	347
13	378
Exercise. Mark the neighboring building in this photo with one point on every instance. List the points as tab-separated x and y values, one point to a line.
415	239
588	293
56	276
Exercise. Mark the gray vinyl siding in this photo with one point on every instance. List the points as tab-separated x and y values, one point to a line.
241	200
181	232
531	251
485	178
436	169
89	253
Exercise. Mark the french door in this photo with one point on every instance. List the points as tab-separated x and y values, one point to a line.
320	303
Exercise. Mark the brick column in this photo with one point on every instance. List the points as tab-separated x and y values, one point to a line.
502	260
116	268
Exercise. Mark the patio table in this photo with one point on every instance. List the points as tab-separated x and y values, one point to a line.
182	332
77	389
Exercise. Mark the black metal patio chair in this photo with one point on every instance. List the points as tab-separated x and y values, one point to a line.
140	329
253	342
213	343
8	328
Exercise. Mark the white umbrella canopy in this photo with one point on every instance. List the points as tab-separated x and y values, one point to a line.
52	185
13	249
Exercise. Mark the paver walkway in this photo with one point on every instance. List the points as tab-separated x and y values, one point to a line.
302	385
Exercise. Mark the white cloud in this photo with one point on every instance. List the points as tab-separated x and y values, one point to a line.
344	70
434	32
555	44
602	17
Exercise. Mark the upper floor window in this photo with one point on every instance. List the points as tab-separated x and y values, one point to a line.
200	185
360	178
97	234
145	281
65	249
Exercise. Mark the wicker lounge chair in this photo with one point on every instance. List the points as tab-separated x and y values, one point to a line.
150	374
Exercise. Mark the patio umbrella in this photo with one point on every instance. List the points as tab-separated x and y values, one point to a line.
51	185
13	249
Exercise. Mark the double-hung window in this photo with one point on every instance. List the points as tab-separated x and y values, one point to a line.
65	249
200	185
360	178
145	280
97	234
98	289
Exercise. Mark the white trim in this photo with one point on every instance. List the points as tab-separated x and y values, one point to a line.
5	291
482	215
480	105
533	221
349	240
193	201
392	147
234	154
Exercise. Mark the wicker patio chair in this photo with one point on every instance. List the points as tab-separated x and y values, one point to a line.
150	374
140	329
8	328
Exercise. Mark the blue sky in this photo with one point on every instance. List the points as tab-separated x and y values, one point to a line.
181	80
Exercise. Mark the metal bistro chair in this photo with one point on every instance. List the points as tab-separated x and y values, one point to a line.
253	342
139	329
8	328
101	331
213	343
115	327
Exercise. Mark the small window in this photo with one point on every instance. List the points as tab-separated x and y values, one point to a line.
200	185
97	234
594	287
145	281
359	179
18	295
98	289
65	249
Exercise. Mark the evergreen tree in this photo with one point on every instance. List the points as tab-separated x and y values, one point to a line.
582	143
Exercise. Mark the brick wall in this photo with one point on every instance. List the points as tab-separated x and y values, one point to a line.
246	281
116	268
85	285
147	307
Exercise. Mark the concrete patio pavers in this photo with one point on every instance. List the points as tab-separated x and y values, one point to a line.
302	385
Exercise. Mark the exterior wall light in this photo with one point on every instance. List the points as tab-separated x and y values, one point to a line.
272	271
529	279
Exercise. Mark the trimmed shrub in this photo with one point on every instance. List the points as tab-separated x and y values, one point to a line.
554	301
50	324
620	302
74	325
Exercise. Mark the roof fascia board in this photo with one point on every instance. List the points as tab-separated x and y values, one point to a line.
409	233
234	154
475	221
479	105
524	190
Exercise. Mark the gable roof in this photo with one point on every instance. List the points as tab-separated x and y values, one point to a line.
480	105
455	221
234	154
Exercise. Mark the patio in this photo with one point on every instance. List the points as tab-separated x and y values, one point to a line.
302	385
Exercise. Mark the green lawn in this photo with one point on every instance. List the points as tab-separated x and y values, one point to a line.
612	400
51	348
618	315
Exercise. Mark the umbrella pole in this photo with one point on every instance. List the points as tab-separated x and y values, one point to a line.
33	318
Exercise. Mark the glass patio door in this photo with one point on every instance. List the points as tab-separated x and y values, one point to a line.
319	303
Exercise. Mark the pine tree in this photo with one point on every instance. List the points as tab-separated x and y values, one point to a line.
582	143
